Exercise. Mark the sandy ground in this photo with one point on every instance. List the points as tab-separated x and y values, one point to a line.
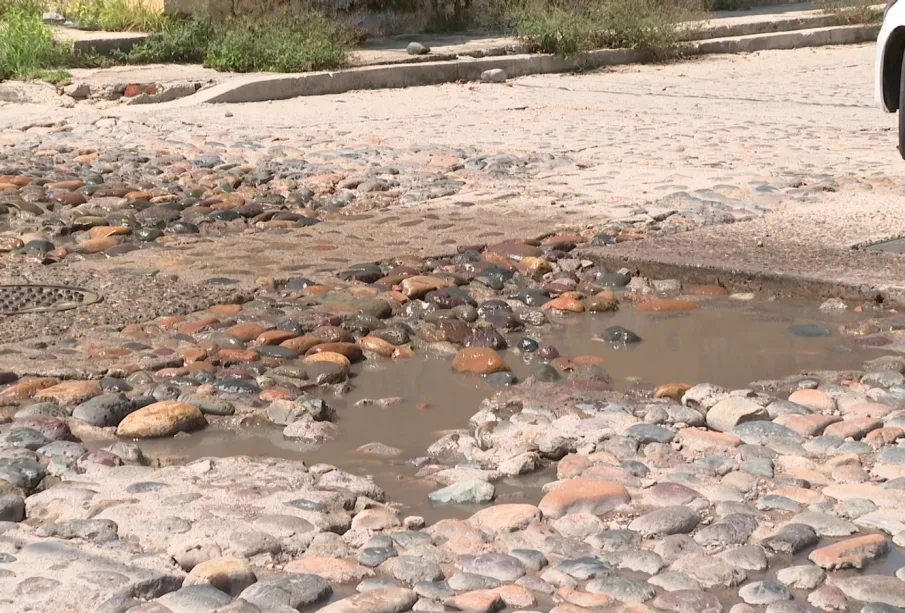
635	134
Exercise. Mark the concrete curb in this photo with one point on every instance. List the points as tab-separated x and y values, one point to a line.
751	279
283	86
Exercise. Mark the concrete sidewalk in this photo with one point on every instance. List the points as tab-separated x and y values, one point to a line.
384	63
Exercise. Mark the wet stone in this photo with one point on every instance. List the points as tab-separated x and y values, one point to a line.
497	565
106	410
583	568
666	521
622	589
375	556
804	577
532	560
648	433
791	539
688	601
466	582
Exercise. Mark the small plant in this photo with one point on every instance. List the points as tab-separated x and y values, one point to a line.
293	42
570	27
851	12
114	15
27	45
185	41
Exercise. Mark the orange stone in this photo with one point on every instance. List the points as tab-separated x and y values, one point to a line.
334	570
403	353
274	337
245	332
193	327
583	495
602	302
234	356
328	356
419	285
193	354
855	428
583	599
884	436
665	305
850	553
807	425
868	409
71	185
170	322
97	245
814	400
477	600
107	231
276	393
703	440
572	465
502	518
69	392
566	302
161	419
301	344
479	361
799	494
23	390
674	391
377	345
350	350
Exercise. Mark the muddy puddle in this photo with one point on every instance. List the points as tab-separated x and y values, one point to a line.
724	342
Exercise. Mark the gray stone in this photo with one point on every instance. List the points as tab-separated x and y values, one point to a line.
853	508
412	570
104	411
876	607
435	590
727	414
24	438
760	467
582	568
764	592
803	577
674	582
688	601
775	502
763	432
285	412
666	521
532	559
733	529
386	600
494	75
375	556
295	591
746	557
649	433
620	588
825	524
874	588
641	561
12	507
195	599
468	491
497	565
883	378
466	582
416	48
676	546
708	571
96	530
791	539
614	540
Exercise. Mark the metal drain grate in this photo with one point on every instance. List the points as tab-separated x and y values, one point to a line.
18	299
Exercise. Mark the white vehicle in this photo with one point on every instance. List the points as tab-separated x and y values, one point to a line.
889	78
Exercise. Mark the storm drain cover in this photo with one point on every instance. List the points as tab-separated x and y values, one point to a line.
896	245
17	299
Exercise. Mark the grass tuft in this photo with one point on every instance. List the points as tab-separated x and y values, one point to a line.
570	27
114	15
27	45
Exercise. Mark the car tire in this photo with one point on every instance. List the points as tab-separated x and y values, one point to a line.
902	109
